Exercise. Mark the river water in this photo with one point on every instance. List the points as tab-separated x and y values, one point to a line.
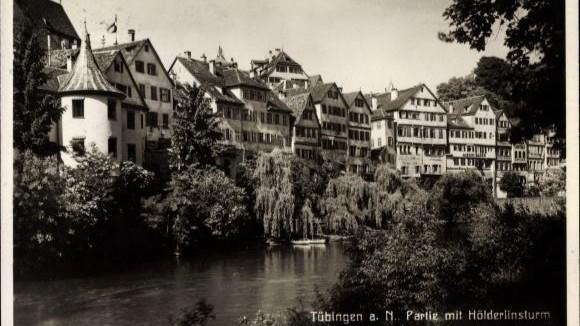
239	282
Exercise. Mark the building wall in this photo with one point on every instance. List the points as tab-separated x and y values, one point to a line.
305	143
138	135
273	135
359	136
334	143
160	80
421	137
95	128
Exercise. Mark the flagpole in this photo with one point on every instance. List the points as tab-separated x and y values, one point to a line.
116	42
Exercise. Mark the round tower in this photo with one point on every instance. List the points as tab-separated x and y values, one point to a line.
92	109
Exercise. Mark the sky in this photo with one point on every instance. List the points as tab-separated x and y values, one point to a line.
361	45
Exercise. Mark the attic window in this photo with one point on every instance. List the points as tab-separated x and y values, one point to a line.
146	48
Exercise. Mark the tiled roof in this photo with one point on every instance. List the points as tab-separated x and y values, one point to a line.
86	77
267	66
297	103
352	96
209	82
315	80
104	60
275	103
236	77
385	105
49	14
464	106
52	74
58	58
129	50
318	92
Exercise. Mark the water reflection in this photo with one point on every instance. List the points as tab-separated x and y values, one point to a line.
237	283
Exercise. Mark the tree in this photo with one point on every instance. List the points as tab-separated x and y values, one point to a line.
511	183
285	191
553	183
195	134
454	194
535	38
198	315
34	112
202	205
456	88
40	229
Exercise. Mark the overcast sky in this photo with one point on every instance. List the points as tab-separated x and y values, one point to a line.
358	44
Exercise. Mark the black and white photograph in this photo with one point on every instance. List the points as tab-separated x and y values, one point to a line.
289	163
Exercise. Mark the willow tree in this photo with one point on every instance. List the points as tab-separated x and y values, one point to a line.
346	204
281	201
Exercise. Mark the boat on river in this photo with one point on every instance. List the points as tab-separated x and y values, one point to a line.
308	242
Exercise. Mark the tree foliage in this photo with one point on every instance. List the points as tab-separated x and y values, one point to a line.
511	183
40	230
34	111
202	205
421	262
195	135
534	35
553	183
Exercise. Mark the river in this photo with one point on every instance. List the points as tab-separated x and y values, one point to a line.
238	282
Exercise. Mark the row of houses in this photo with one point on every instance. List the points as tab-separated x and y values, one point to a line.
121	99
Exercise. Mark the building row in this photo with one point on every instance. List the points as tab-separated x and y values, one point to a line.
121	98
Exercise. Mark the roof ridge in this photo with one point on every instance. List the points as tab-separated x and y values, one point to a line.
464	98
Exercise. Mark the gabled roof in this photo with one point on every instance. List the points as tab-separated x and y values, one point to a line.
86	77
275	103
105	60
236	77
209	82
464	106
48	14
385	105
352	96
298	103
130	49
267	66
315	80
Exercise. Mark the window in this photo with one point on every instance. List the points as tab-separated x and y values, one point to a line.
151	69
130	120
112	109
154	93
165	120
152	119
139	66
78	109
112	147
78	146
142	90
118	66
132	152
142	121
165	95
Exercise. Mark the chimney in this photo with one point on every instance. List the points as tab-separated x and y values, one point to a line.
374	102
394	94
75	45
212	67
132	35
69	62
203	57
187	54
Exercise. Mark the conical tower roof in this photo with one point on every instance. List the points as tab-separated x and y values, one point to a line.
86	77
